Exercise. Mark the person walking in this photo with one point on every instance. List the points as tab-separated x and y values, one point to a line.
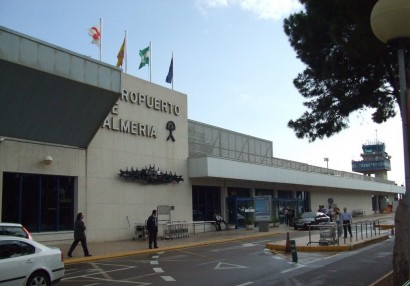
79	235
336	211
346	218
331	214
152	225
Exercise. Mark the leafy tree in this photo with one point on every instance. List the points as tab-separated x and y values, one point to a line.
347	68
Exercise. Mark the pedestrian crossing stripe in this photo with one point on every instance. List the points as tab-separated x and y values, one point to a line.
168	278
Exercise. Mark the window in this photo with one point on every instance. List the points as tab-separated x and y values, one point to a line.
39	202
11	248
205	201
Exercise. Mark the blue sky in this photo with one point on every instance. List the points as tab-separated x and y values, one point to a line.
231	57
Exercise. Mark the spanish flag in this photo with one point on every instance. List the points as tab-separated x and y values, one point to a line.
120	56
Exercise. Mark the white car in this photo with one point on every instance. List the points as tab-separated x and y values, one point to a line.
27	262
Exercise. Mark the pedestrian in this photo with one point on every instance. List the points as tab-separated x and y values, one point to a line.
286	216
79	235
291	216
338	221
331	213
346	218
218	220
152	225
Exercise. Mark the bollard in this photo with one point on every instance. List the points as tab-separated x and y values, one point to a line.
287	247
293	250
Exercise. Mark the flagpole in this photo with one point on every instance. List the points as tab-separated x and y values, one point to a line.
125	52
172	59
101	38
150	60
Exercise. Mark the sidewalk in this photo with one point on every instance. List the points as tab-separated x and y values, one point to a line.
112	249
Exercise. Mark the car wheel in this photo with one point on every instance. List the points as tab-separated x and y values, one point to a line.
38	279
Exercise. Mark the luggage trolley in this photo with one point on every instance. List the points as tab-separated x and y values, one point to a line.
328	234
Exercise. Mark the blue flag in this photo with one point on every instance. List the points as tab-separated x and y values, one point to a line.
170	72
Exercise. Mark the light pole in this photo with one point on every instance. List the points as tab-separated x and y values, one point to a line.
390	22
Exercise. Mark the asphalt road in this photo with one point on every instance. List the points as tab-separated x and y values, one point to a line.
241	263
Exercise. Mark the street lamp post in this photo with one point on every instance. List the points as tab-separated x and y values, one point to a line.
390	22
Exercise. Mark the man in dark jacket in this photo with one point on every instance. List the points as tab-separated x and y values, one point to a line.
79	235
152	225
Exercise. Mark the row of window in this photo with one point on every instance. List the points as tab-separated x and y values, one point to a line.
46	203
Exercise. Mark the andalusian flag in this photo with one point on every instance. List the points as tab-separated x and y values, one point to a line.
120	56
145	55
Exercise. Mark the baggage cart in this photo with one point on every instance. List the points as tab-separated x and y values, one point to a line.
328	234
140	231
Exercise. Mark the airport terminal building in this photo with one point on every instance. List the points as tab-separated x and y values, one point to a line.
79	135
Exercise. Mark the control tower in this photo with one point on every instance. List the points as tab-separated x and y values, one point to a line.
375	160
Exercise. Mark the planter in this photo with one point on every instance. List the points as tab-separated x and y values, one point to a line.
249	226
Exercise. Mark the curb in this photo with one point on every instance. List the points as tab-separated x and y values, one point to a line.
75	260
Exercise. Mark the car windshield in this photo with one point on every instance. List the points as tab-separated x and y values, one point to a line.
309	215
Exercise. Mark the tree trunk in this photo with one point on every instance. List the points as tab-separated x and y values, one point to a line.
400	251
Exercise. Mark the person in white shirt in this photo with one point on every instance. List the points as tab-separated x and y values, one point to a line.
218	220
346	218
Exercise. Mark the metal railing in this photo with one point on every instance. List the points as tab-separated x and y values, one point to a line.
360	231
205	140
176	229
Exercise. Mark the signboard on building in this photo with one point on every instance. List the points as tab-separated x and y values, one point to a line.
263	208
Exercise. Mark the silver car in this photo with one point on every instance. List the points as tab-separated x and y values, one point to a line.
27	262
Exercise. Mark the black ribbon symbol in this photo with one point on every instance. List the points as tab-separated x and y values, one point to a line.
170	127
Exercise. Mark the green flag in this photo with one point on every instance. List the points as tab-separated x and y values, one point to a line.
145	55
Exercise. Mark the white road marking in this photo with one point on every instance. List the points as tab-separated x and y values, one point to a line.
244	284
249	244
289	270
261	241
331	256
98	272
168	278
209	262
158	270
155	256
154	262
103	273
222	265
226	248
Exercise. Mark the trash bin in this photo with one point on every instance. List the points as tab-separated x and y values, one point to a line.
263	226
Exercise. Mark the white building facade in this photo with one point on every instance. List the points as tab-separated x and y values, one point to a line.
71	125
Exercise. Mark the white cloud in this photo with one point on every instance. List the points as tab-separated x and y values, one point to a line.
264	9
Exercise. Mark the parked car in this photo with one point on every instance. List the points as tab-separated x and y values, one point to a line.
310	218
14	229
27	262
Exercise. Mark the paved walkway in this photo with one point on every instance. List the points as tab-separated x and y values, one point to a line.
104	250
